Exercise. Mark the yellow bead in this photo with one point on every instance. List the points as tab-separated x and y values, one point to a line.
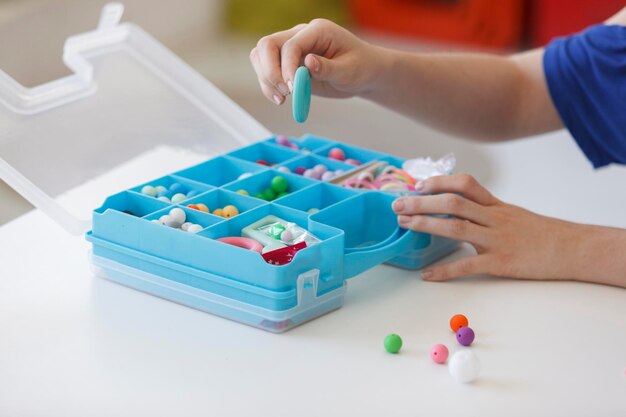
243	192
219	212
230	211
202	207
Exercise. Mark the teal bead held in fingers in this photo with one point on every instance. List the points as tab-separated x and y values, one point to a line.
301	100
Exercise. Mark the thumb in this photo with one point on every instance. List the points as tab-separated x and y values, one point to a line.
321	69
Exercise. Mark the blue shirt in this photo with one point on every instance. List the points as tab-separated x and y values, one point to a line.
586	76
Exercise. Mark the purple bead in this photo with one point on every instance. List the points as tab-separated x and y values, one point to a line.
282	140
328	175
299	170
320	168
465	336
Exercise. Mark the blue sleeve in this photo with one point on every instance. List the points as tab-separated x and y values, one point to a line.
586	77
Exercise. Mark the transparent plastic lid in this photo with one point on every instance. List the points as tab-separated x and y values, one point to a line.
130	103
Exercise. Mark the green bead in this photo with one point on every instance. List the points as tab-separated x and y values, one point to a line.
393	343
279	184
269	194
284	193
276	230
259	196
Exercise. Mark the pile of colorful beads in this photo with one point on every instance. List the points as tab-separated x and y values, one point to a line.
339	155
387	178
277	188
226	212
464	366
176	193
283	140
176	220
318	172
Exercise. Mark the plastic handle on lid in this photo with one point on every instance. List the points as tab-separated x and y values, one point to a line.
34	100
24	100
110	16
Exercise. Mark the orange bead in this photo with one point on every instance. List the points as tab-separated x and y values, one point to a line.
192	206
457	321
202	207
218	212
230	211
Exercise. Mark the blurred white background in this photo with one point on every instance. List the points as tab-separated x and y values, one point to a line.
208	35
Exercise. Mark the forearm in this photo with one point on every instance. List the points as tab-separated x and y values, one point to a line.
480	96
597	254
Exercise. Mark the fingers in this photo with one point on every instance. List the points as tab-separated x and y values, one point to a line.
450	204
459	183
313	39
266	59
321	69
452	228
478	264
268	90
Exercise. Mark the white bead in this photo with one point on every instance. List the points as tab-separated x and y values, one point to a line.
244	175
178	214
185	226
179	198
156	221
173	223
286	236
194	228
164	218
464	366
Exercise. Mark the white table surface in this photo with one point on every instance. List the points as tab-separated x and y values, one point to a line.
75	345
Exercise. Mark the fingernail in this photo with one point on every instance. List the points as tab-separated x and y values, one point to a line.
398	205
426	275
282	87
404	220
316	64
419	186
290	84
277	100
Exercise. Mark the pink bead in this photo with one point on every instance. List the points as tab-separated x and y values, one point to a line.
352	161
337	153
439	354
282	140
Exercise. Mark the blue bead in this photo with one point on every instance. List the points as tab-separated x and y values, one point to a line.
164	193
192	193
176	187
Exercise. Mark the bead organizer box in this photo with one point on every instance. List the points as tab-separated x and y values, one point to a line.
191	234
221	265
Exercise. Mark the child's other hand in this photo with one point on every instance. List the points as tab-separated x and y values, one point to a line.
510	241
341	65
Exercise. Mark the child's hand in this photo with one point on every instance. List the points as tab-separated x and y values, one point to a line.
510	241
341	65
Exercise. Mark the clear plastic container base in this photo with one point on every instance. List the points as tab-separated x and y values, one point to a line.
309	304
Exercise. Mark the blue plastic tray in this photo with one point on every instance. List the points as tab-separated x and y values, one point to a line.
358	230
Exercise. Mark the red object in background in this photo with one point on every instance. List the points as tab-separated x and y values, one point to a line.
490	23
550	18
